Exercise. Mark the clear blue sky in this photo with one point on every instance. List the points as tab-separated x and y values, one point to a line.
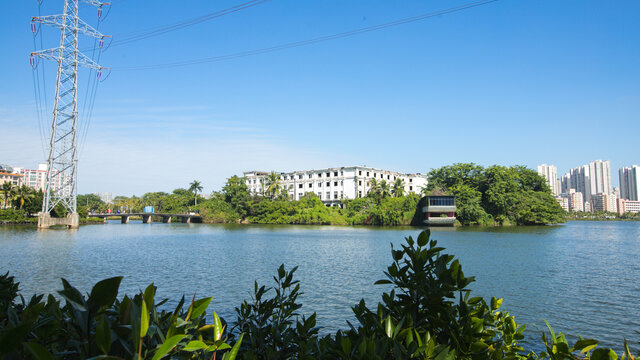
512	82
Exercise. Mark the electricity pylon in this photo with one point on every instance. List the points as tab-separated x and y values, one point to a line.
60	185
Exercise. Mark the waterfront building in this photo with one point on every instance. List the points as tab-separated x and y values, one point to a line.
630	182
625	206
550	173
575	200
604	202
563	201
440	210
34	179
600	177
332	185
589	180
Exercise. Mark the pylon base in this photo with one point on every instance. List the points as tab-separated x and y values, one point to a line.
71	221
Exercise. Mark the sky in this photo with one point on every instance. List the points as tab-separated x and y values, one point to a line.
511	82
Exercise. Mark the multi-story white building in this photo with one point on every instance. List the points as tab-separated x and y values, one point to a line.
563	201
550	173
36	179
575	200
600	177
589	180
332	185
630	183
106	197
625	206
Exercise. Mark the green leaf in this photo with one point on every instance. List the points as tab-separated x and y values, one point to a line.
103	335
423	238
194	345
38	351
199	307
478	346
584	345
105	292
231	355
149	294
144	319
169	344
388	326
495	303
217	327
604	354
12	338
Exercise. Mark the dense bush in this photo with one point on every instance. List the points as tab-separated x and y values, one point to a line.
428	313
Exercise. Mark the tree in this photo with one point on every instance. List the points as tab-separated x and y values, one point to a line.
385	189
374	187
236	193
194	187
22	194
398	188
273	184
6	190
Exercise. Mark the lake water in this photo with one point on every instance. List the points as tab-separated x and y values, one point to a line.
583	277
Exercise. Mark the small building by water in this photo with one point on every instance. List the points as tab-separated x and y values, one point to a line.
440	210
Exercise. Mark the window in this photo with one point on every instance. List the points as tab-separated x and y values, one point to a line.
388	177
335	173
367	173
341	194
300	176
410	188
310	175
341	173
310	185
320	195
328	183
319	175
328	174
374	174
328	195
300	195
359	194
319	183
360	172
341	182
299	186
335	183
359	182
291	187
410	180
254	181
335	195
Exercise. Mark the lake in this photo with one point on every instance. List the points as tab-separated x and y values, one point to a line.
583	277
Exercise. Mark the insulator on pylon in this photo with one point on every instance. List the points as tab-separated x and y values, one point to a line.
100	43
33	28
98	73
32	61
99	12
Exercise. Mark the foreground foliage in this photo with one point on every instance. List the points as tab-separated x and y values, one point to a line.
428	313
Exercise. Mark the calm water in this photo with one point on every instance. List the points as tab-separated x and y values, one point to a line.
584	277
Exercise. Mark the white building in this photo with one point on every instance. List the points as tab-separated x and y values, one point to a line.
600	177
604	202
550	173
630	183
563	201
334	184
625	206
106	197
575	200
589	180
37	179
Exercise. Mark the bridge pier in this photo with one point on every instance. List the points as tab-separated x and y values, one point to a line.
186	220
166	219
124	219
146	219
71	221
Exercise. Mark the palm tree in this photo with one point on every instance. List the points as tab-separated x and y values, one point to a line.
6	189
22	194
398	188
194	187
273	184
385	189
374	187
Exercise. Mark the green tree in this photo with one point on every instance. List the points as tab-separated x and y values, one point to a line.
273	184
22	194
398	188
385	189
236	193
374	188
34	205
6	190
194	187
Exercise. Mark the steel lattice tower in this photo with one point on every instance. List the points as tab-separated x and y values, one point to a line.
60	185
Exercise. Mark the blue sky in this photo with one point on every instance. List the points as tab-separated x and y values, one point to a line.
512	82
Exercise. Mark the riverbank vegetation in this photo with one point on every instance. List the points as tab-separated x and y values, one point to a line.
428	313
495	195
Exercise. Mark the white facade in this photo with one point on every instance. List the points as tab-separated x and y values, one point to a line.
564	202
600	177
575	200
625	206
604	202
334	184
106	197
36	179
550	173
630	183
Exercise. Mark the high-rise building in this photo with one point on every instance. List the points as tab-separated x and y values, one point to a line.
550	173
575	200
630	183
600	177
106	197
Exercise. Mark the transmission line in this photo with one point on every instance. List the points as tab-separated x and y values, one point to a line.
309	41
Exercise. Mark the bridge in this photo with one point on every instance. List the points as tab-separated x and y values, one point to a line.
147	217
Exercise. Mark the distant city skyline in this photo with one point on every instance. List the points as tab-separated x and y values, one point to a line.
508	83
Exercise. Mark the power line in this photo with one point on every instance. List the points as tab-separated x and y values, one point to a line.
309	41
145	34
